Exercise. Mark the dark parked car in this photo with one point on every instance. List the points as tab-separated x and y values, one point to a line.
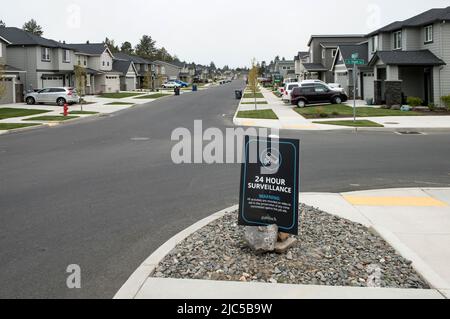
316	93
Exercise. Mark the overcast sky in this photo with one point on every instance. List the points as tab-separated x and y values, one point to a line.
224	31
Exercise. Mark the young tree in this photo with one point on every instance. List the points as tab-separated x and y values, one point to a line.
253	80
127	48
80	81
146	47
32	27
147	82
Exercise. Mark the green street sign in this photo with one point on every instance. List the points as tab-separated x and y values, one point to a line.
355	56
355	61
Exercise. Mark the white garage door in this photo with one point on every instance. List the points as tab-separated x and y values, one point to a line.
52	81
369	89
112	83
130	83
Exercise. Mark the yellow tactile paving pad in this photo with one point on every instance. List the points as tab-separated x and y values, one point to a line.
394	201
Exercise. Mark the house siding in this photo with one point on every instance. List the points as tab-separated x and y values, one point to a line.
25	59
441	75
3	51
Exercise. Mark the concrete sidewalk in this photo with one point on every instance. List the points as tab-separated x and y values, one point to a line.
288	119
415	222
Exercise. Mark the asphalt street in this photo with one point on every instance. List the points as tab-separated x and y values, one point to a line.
104	193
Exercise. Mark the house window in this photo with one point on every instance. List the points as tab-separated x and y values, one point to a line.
85	62
397	40
107	63
429	34
103	63
323	54
46	54
374	43
1	50
67	56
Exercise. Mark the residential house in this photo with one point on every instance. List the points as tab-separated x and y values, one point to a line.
47	62
286	69
187	72
128	74
412	58
322	53
12	78
301	57
343	73
143	66
97	59
165	72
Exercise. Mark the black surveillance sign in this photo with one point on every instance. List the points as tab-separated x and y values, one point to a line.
270	184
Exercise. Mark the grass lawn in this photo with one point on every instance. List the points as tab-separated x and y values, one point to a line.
6	113
82	112
358	123
260	102
153	96
52	118
119	103
12	126
252	96
261	114
340	110
118	95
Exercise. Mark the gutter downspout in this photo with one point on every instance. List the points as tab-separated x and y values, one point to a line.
442	67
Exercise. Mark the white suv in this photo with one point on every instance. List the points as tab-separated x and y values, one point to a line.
60	96
286	98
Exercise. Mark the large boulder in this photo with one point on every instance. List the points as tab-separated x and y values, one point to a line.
261	239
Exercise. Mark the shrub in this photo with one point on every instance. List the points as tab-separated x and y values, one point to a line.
446	100
323	115
432	107
414	101
335	113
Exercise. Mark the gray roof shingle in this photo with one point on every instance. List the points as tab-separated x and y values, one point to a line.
121	66
314	67
20	37
89	48
410	58
428	17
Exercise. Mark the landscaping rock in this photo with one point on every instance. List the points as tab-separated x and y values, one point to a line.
330	251
396	107
282	247
261	239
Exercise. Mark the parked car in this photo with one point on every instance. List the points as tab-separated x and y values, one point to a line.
181	83
315	93
171	85
286	98
336	87
58	95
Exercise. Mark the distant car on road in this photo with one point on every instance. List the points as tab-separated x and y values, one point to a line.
171	85
58	95
181	83
315	93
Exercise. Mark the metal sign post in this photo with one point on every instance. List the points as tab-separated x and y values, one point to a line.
354	92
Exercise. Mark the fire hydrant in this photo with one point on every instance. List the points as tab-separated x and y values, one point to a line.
66	109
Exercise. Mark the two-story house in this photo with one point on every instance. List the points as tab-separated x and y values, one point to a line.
47	62
301	57
144	68
12	78
411	58
165	72
97	60
286	69
322	53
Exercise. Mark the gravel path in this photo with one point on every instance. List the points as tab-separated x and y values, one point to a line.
331	251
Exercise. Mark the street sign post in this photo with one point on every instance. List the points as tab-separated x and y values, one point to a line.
355	61
270	184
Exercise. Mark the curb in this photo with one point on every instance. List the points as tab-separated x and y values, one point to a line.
132	286
137	280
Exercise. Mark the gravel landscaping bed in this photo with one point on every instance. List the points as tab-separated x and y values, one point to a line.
330	251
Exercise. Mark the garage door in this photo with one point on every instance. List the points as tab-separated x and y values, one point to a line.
49	81
369	88
130	83
112	84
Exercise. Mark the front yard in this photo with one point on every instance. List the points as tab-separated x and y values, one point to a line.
340	110
6	113
12	126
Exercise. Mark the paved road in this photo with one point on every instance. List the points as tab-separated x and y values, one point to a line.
92	194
